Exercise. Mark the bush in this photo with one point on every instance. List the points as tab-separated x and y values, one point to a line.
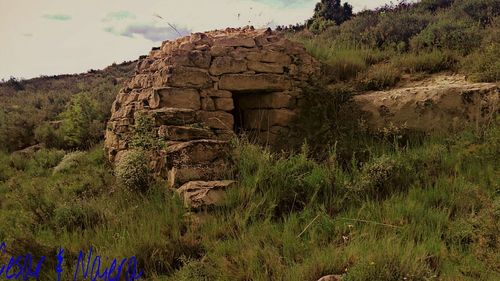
429	62
328	118
395	29
380	77
69	161
484	64
450	34
481	11
132	170
5	168
382	177
49	136
434	5
144	133
80	122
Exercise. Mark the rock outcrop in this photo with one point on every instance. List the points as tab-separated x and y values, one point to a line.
439	103
202	89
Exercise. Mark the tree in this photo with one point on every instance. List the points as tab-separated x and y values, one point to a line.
332	10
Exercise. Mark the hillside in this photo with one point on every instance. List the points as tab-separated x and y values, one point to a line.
351	147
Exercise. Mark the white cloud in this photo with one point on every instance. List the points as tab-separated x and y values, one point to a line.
95	33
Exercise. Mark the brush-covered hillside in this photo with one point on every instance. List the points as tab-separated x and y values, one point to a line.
344	201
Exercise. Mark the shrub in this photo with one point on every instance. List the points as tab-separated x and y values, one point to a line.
69	161
451	34
395	29
482	11
132	170
328	118
434	5
484	64
380	77
144	133
429	62
40	162
5	169
49	136
381	177
79	122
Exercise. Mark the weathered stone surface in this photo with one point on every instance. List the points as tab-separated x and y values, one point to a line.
215	170
221	65
225	104
197	194
216	93
173	116
217	51
189	77
195	152
270	56
265	67
207	103
216	119
184	133
178	98
263	119
258	82
331	278
267	100
438	103
190	86
235	42
194	58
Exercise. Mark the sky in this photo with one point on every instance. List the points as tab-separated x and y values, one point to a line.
50	37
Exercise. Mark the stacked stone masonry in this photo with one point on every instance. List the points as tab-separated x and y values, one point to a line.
202	89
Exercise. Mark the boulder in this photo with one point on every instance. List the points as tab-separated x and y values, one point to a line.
198	194
331	278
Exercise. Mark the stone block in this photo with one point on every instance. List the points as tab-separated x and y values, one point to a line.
265	67
183	133
198	194
188	77
270	56
178	97
246	42
225	104
196	152
252	83
207	103
222	65
173	116
216	119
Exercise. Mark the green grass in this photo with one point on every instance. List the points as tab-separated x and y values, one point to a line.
426	211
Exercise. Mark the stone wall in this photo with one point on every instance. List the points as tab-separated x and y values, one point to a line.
201	89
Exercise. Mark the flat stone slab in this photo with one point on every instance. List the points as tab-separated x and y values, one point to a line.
254	82
197	194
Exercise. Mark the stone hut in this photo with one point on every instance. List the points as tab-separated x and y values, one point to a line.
203	89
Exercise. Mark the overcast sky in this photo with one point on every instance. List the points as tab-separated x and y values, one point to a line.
47	37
